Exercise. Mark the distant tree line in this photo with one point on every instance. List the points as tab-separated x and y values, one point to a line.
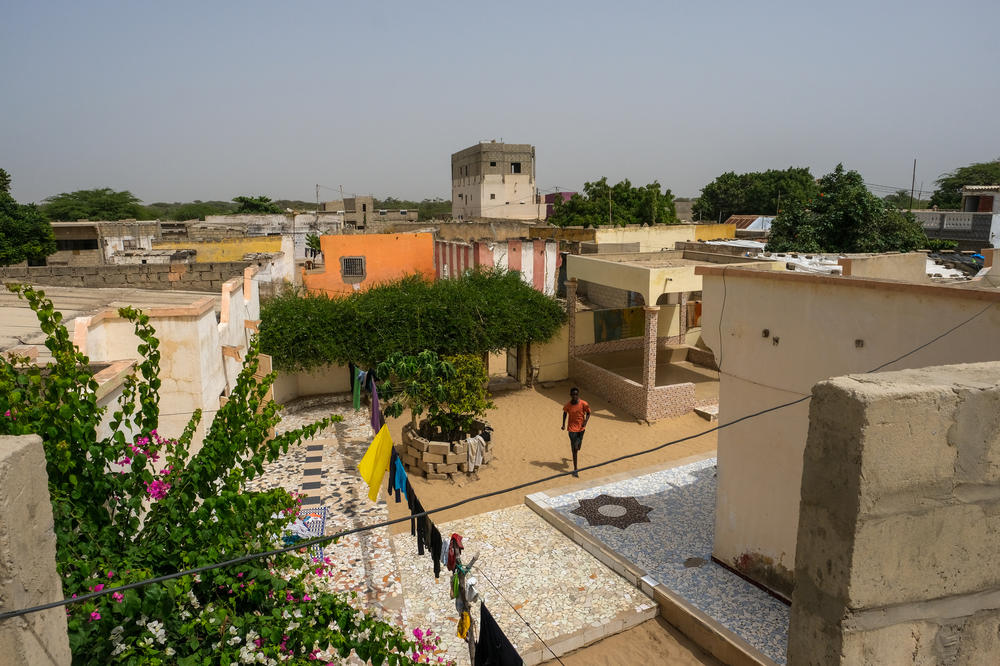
754	193
948	194
427	209
601	204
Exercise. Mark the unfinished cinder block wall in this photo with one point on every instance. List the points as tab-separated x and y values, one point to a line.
899	525
28	574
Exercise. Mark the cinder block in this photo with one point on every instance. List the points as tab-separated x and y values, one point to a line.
447	469
460	447
429	457
455	458
437	477
439	448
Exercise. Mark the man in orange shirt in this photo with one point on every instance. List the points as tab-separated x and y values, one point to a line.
578	412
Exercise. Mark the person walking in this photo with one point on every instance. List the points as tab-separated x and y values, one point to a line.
578	412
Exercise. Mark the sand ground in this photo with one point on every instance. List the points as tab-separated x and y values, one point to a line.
530	445
652	642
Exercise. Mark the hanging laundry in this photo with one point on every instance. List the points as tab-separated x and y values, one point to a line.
455	590
471	593
475	455
402	483
356	391
376	461
454	551
411	503
352	371
377	420
436	550
493	648
463	624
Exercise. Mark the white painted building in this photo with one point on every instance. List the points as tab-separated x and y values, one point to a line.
495	180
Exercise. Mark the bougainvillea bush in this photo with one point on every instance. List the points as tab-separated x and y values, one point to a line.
137	505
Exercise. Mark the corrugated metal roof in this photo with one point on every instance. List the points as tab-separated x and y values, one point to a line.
980	188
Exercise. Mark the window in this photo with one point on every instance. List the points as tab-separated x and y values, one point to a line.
364	207
129	244
493	196
352	268
383	212
493	163
402	211
515	167
77	244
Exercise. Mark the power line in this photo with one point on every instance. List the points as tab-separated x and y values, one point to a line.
526	623
325	539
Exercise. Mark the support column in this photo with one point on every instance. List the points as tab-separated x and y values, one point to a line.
684	317
571	285
649	346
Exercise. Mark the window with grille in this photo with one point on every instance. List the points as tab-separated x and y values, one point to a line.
352	267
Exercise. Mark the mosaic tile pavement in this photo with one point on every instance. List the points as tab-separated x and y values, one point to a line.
325	470
566	595
675	548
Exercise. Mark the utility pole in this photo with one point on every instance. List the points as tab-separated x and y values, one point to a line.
609	206
777	210
913	183
317	197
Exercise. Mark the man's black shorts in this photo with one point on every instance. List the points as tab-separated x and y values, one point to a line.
576	440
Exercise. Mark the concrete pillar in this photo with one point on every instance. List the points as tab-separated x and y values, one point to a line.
684	316
571	285
28	557
649	346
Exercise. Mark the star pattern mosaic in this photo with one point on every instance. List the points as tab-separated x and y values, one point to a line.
618	512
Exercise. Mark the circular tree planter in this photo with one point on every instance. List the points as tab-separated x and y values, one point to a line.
442	460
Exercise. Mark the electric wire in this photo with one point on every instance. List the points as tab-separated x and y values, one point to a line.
526	623
307	543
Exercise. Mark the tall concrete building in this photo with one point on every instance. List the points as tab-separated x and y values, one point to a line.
495	180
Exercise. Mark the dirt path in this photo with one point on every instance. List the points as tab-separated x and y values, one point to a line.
530	445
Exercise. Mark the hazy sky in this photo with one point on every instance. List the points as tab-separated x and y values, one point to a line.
206	100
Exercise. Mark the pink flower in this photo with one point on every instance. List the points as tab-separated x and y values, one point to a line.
111	574
419	634
306	597
95	616
98	587
117	596
7	413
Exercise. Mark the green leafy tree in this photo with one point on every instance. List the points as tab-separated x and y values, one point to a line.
256	205
97	204
313	245
622	203
25	234
481	311
844	217
948	194
900	199
452	390
754	193
136	505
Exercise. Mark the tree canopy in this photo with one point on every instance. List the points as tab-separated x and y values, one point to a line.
256	205
427	209
25	233
753	193
98	204
481	311
844	216
948	194
901	199
602	204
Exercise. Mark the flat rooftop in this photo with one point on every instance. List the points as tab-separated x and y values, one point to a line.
19	325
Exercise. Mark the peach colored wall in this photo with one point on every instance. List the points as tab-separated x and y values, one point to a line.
387	257
817	327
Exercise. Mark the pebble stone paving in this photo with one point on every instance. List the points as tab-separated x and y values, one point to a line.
324	469
556	586
675	548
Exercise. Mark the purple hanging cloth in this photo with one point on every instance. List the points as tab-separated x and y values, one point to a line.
376	410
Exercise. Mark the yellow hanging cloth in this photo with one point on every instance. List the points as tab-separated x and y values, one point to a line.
376	462
463	624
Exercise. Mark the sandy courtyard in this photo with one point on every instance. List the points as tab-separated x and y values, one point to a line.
530	445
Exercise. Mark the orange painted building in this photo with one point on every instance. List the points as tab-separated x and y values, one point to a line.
355	262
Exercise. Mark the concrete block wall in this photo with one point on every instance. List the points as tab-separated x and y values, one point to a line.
184	277
899	523
28	574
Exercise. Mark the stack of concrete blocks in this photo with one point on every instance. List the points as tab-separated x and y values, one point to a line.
899	524
437	460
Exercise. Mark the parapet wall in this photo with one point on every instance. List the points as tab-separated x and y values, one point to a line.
899	524
185	277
